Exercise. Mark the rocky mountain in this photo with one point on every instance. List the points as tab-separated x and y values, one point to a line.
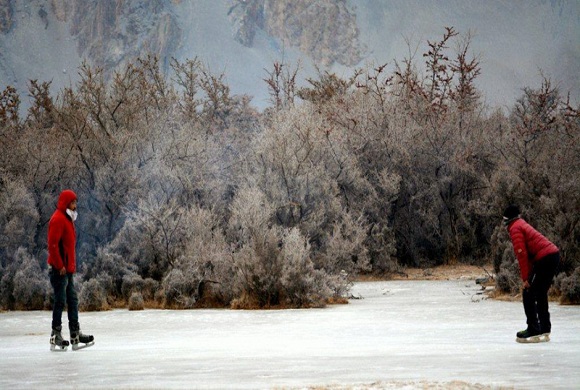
515	40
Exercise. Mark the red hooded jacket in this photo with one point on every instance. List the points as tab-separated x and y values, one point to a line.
62	235
529	245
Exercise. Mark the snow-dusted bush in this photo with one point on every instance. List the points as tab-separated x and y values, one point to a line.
113	271
207	256
93	296
7	287
179	290
136	301
169	240
296	168
31	284
273	265
509	278
256	257
154	237
303	285
344	249
132	283
569	287
501	246
18	217
149	289
258	267
340	286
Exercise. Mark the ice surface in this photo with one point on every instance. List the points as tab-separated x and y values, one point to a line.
401	332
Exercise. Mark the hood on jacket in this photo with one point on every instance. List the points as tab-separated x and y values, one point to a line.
65	198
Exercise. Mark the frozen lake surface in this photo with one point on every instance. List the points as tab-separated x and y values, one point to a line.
403	334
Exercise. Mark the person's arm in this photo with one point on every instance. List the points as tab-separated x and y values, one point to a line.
55	231
519	243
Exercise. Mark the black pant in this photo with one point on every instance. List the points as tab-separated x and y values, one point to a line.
64	293
536	297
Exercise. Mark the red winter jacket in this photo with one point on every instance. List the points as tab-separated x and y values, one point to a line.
62	235
529	245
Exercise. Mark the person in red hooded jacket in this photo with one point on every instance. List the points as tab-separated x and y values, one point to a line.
62	262
538	259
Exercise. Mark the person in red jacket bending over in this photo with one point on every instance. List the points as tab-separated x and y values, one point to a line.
538	259
62	262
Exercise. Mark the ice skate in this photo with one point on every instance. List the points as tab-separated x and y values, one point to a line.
80	341
57	343
546	335
529	336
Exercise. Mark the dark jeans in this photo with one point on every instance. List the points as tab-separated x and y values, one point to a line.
536	297
64	292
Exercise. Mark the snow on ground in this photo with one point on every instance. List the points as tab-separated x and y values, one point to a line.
402	334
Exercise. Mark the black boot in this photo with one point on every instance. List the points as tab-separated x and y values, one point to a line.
57	343
80	340
531	335
524	334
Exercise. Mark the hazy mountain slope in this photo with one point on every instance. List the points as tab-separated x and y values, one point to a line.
36	47
47	40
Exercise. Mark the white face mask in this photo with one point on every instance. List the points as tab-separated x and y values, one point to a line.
72	214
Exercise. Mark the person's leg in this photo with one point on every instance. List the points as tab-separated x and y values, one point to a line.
530	308
72	304
546	269
76	336
59	285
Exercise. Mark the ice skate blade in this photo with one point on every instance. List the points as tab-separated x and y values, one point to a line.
58	348
533	339
76	347
547	336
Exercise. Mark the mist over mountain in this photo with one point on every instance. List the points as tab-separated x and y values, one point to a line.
516	41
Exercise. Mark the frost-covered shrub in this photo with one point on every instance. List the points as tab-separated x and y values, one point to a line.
257	263
136	301
93	296
344	249
31	285
132	283
509	278
302	284
150	287
297	168
108	285
179	290
500	244
18	217
207	257
382	249
340	286
7	287
111	269
159	236
210	294
251	214
569	287
258	268
274	266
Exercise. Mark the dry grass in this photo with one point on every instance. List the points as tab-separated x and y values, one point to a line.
407	385
443	272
